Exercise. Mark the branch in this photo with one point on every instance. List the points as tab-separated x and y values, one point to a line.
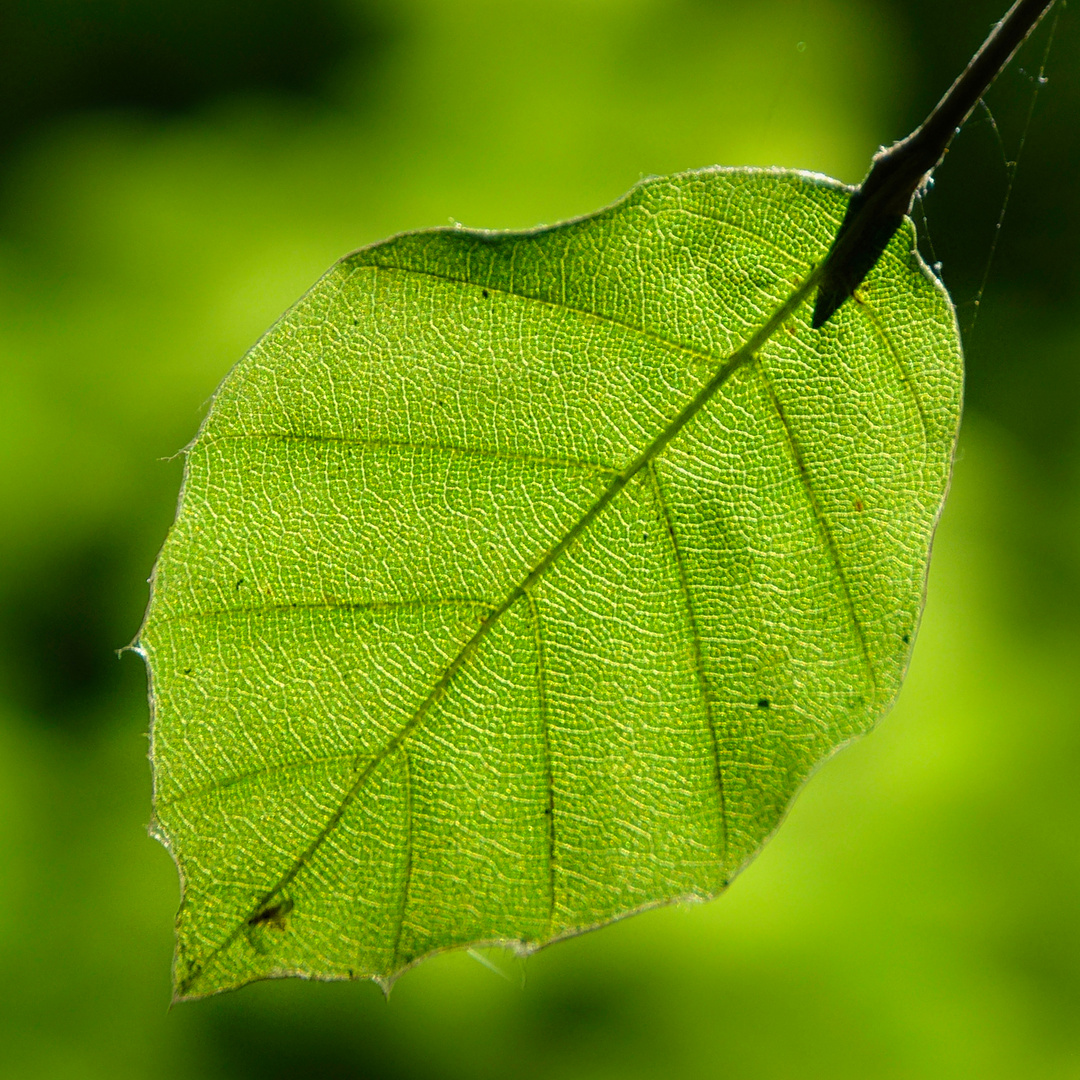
882	200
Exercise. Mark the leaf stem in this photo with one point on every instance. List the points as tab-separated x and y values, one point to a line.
881	202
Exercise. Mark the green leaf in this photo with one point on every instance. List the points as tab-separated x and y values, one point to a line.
520	579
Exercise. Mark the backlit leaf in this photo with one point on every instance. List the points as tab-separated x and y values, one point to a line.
520	579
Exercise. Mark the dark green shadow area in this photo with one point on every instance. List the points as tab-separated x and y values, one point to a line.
66	56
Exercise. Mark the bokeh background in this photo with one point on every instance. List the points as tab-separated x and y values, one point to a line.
174	173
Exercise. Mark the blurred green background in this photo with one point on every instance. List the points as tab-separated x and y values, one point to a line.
174	173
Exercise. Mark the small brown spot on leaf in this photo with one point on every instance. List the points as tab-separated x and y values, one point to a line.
274	916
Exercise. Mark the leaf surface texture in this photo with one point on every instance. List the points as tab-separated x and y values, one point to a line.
520	579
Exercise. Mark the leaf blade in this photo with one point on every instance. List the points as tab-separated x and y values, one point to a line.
489	428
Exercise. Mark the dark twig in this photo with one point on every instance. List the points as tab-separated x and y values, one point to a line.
879	205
